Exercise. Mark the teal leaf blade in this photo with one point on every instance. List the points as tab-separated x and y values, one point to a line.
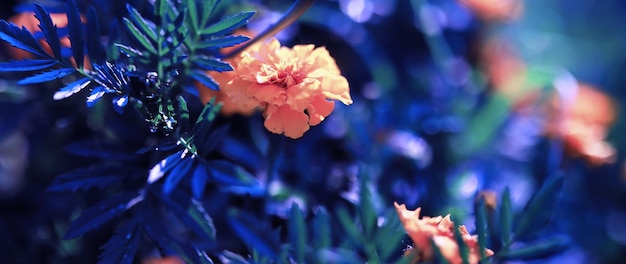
212	64
141	23
506	218
140	37
222	42
228	24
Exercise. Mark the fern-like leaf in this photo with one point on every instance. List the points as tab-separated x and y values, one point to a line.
21	38
49	30
76	32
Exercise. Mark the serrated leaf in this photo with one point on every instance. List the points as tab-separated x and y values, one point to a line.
177	174
205	79
221	42
297	232
140	37
94	46
49	30
193	14
538	210
26	65
86	178
21	38
71	89
228	24
47	76
536	250
253	234
141	23
211	64
506	217
75	26
122	246
99	214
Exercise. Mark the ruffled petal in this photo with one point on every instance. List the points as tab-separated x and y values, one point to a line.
282	119
319	109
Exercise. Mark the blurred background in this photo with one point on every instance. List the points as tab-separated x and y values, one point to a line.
452	99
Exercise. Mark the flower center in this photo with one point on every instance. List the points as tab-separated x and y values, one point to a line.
286	77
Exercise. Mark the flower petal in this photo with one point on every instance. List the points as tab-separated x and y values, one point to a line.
282	119
319	109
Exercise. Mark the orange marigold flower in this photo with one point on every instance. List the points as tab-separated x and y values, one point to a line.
292	85
441	231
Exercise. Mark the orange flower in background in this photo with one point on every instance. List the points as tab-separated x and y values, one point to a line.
291	85
222	78
584	124
441	231
163	260
503	10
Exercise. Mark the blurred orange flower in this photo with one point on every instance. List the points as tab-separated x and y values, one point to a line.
503	10
584	124
291	85
441	231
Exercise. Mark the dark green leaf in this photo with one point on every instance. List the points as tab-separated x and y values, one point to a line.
47	76
96	94
463	248
367	212
25	65
539	208
71	89
348	226
205	79
297	233
481	229
76	32
49	30
536	250
228	24
141	23
321	225
506	218
140	37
